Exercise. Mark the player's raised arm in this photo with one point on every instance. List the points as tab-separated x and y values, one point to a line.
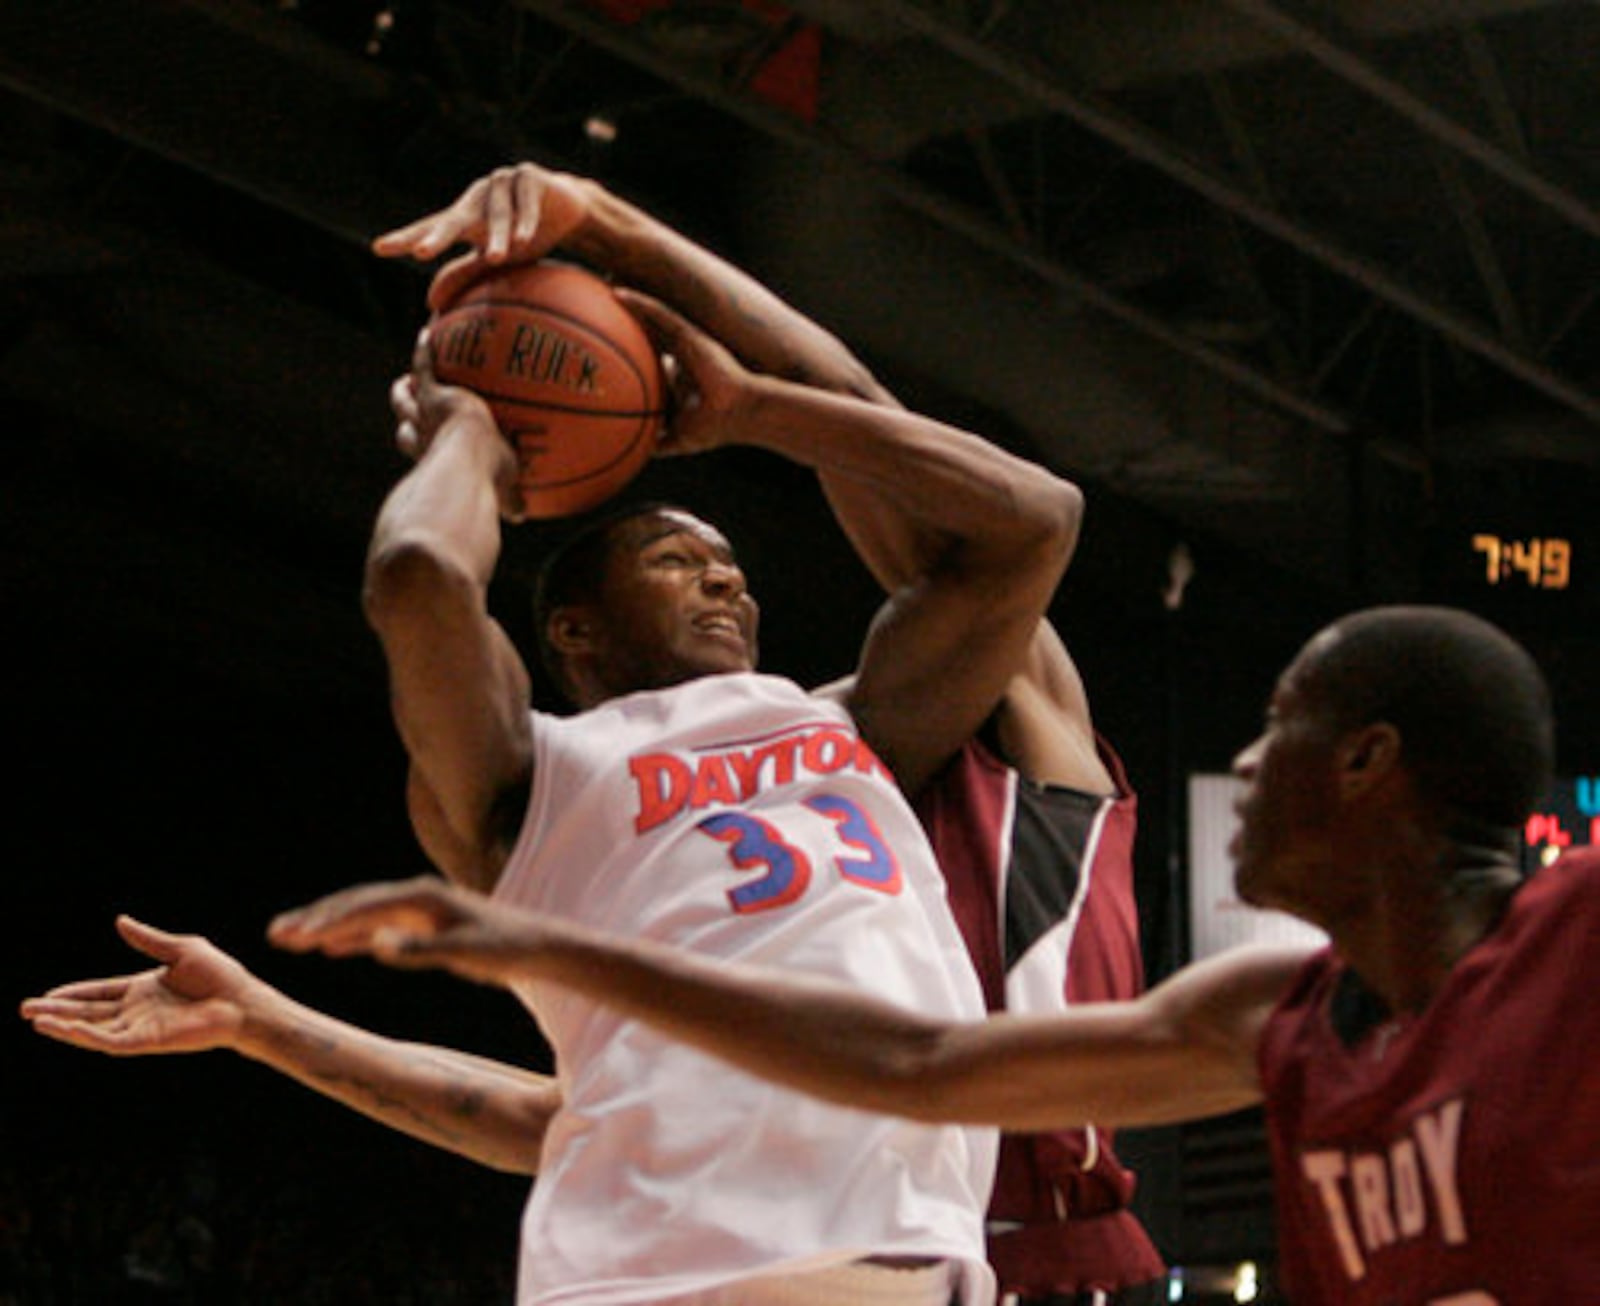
524	211
955	633
458	687
1184	1050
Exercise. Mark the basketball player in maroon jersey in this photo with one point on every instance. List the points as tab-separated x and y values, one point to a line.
1431	1080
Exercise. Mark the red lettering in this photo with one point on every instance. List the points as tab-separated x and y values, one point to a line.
1545	827
827	751
667	784
663	783
747	770
782	754
712	784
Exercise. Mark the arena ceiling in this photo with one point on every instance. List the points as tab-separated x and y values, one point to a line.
1302	286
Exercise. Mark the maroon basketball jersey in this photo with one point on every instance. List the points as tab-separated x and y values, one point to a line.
1041	884
1450	1158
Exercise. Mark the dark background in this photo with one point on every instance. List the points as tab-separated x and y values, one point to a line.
1307	289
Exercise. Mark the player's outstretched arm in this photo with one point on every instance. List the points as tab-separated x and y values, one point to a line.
199	998
1184	1050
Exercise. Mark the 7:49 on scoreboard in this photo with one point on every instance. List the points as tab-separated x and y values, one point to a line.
1539	562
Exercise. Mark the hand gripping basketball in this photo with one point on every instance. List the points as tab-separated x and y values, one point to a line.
571	377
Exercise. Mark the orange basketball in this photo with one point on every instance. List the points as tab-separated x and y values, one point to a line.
570	375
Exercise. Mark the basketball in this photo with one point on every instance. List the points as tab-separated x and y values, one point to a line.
571	377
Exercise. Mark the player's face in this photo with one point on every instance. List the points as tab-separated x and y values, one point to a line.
674	605
1289	811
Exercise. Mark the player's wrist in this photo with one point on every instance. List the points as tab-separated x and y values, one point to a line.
768	412
607	228
467	424
260	1015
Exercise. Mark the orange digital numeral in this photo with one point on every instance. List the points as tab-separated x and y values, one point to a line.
1557	564
1490	546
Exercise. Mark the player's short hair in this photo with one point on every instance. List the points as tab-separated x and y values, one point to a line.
1471	705
574	571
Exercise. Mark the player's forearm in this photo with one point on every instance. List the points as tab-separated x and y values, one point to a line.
767	333
970	492
1112	1063
1145	1062
488	1112
447	504
812	1036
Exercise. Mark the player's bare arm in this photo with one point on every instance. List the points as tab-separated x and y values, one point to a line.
958	631
458	688
525	211
487	1111
200	999
1041	712
1185	1050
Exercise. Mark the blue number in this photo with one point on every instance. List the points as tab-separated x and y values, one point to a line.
752	842
878	869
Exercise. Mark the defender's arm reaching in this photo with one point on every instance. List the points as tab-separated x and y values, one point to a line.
1184	1050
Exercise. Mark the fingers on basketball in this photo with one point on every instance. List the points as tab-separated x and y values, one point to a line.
572	378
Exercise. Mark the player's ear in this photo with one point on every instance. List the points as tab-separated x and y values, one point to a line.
1368	757
571	630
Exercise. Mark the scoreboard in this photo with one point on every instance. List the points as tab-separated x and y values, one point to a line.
1568	817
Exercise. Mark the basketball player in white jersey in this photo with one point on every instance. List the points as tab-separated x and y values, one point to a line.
1004	531
1027	806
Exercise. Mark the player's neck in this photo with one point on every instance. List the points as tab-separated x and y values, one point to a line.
1421	925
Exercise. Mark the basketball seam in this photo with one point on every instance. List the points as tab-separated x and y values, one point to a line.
551	406
616	342
620	456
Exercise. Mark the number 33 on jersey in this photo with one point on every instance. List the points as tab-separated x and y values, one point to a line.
668	785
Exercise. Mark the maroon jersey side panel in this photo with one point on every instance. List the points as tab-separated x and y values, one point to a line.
1041	884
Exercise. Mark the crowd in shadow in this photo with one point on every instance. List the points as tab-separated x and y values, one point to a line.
293	1231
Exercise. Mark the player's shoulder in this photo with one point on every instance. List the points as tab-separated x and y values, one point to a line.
1570	883
836	691
1579	863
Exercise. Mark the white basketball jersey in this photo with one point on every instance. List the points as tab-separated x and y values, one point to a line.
737	817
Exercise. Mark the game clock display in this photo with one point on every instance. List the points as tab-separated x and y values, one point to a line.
1516	542
1540	563
1524	576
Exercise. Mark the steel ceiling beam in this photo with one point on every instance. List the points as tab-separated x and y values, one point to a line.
1512	170
1151	149
937	208
1480	246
